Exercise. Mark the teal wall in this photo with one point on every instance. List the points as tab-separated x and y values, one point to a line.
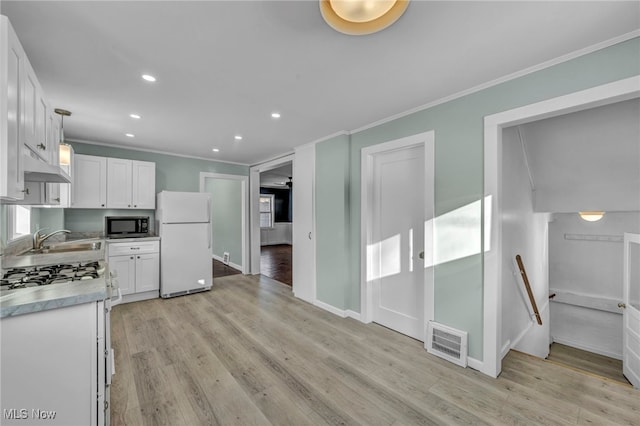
333	222
173	173
226	217
459	176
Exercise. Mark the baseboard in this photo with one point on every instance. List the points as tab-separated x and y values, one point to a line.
329	308
599	351
137	297
233	265
475	364
505	349
354	315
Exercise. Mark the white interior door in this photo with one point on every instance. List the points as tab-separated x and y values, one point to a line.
304	246
398	238
631	314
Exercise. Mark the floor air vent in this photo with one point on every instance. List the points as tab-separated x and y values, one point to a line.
447	343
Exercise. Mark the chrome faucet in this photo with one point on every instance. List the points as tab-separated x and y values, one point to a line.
39	239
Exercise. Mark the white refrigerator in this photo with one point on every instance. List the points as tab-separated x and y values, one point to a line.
183	223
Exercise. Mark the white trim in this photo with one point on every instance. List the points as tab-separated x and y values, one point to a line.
244	180
366	183
506	78
254	207
353	314
474	363
155	151
233	265
605	94
330	308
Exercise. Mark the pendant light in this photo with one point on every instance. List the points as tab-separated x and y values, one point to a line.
360	17
65	149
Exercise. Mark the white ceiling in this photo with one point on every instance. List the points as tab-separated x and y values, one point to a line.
588	160
224	66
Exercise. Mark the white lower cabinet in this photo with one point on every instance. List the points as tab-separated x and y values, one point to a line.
54	366
136	268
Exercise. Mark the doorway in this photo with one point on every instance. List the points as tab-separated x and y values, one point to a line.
397	209
497	260
276	223
229	221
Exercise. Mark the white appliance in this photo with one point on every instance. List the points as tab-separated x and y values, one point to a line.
183	223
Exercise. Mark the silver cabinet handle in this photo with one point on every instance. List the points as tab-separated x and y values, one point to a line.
42	146
309	235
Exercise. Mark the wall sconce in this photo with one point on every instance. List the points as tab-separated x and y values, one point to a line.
591	216
360	17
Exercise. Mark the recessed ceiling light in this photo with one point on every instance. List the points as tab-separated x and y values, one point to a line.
136	116
238	137
148	77
275	115
215	150
130	135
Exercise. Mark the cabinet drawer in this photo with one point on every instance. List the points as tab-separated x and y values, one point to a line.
116	249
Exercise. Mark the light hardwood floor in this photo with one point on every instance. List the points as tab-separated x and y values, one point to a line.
587	361
248	353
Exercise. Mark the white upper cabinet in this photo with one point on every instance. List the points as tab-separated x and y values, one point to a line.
35	116
12	60
115	183
130	184
119	183
89	182
144	185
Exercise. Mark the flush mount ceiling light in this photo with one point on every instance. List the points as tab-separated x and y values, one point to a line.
360	17
592	216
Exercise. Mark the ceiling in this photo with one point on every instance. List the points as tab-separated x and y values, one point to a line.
587	160
223	67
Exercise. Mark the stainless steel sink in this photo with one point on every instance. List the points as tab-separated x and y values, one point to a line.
65	248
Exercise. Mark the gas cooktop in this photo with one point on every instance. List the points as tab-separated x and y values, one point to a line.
17	278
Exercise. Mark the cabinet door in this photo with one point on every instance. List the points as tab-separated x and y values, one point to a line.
124	269
11	71
29	114
89	182
144	185
118	183
147	272
53	137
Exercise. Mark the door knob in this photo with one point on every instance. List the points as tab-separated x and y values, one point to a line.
421	255
622	305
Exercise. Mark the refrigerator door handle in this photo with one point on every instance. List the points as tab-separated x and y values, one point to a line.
209	235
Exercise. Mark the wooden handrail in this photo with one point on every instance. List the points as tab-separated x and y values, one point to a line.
523	272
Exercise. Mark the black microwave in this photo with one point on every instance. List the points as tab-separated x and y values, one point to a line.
126	226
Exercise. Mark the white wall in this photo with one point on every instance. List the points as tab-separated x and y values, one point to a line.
585	272
524	233
281	233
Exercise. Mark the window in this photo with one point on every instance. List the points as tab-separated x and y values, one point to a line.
266	211
19	221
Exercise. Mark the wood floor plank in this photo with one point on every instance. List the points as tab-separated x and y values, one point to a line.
248	352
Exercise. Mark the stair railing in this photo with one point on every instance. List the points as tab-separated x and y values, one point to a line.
523	272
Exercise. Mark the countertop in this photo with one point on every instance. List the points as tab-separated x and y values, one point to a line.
17	261
54	296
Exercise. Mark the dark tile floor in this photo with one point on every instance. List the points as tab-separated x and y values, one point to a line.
275	262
